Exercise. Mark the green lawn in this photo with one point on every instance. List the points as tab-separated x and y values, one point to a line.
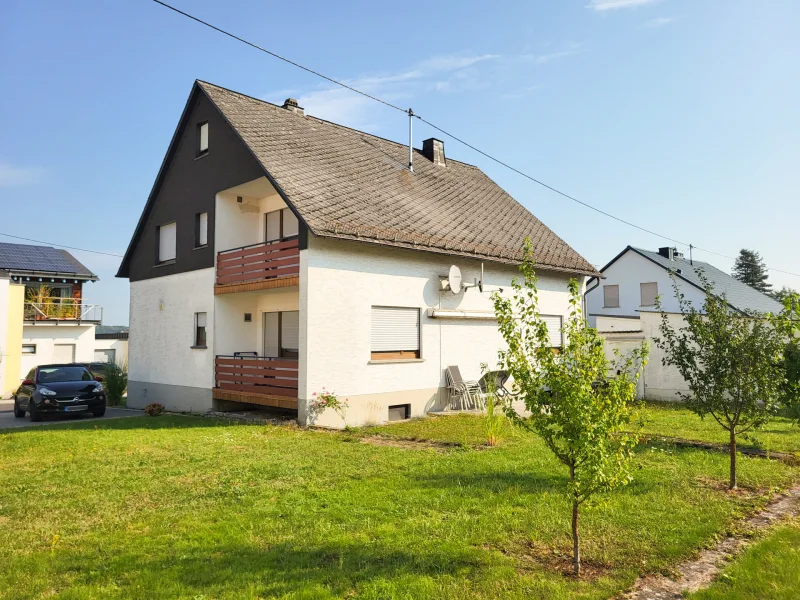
183	507
768	570
779	435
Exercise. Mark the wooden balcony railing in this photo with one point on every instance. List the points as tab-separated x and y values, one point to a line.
258	262
256	375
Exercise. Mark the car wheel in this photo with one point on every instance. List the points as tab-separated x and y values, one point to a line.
99	412
33	413
18	412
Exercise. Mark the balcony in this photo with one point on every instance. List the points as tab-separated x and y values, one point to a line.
62	310
256	380
258	266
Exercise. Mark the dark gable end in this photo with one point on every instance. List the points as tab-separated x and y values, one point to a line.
187	185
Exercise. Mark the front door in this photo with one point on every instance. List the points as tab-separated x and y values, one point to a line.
281	334
63	353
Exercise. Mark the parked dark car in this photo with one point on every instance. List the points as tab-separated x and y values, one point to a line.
61	389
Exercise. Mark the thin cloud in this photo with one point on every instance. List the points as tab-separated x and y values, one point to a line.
604	5
11	176
659	22
542	59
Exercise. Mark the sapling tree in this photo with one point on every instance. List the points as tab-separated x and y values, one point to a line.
788	323
730	361
577	400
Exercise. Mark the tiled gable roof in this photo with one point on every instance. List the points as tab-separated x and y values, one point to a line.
351	185
739	295
43	259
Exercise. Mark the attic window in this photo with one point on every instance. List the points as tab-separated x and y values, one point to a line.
167	237
202	139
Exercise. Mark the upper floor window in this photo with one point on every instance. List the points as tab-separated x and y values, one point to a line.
202	139
280	225
200	230
610	296
167	239
554	327
649	293
200	329
394	333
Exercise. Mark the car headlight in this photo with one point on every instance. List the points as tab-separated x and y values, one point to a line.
98	388
46	392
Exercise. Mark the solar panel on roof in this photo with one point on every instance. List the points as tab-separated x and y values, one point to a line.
38	258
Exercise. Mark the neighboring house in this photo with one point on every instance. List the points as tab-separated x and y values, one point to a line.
622	305
43	317
111	344
279	254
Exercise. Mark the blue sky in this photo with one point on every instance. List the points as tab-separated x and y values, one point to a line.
680	115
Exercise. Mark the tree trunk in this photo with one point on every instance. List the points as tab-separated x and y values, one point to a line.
732	485
576	551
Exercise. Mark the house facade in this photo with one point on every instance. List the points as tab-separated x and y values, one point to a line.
280	255
622	306
43	315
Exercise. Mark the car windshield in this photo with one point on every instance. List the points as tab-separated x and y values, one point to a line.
55	374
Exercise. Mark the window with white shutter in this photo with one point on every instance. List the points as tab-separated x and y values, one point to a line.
200	230
394	333
610	296
167	236
202	139
290	334
553	323
649	293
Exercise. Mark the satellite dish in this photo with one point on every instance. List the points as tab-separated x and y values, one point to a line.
454	279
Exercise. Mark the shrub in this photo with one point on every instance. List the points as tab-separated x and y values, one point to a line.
154	409
325	400
116	382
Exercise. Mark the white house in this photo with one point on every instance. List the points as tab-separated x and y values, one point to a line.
279	255
622	305
43	315
111	344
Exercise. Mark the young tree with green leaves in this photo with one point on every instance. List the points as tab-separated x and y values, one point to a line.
782	294
788	323
730	361
578	402
749	268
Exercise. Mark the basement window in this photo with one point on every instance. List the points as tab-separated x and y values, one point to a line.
400	412
202	139
29	348
394	333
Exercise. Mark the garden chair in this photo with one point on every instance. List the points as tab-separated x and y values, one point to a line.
495	381
468	392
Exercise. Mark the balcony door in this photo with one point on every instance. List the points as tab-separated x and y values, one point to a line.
281	334
280	225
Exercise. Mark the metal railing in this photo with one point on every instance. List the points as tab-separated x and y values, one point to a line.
256	262
65	309
259	375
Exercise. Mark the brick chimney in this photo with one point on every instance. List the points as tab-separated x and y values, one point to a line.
291	104
433	150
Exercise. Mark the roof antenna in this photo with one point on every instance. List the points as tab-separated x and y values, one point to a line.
410	139
691	260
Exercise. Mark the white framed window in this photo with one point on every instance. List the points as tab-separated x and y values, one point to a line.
610	296
649	293
167	240
200	230
200	321
106	356
202	139
394	333
554	325
29	348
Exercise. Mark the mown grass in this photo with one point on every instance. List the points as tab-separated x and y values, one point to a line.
779	434
768	570
183	507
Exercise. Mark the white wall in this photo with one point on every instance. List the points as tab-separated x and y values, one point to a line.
341	281
661	382
630	270
162	330
241	224
4	352
47	336
120	348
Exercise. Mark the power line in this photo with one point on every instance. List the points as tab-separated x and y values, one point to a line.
60	245
456	138
279	57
